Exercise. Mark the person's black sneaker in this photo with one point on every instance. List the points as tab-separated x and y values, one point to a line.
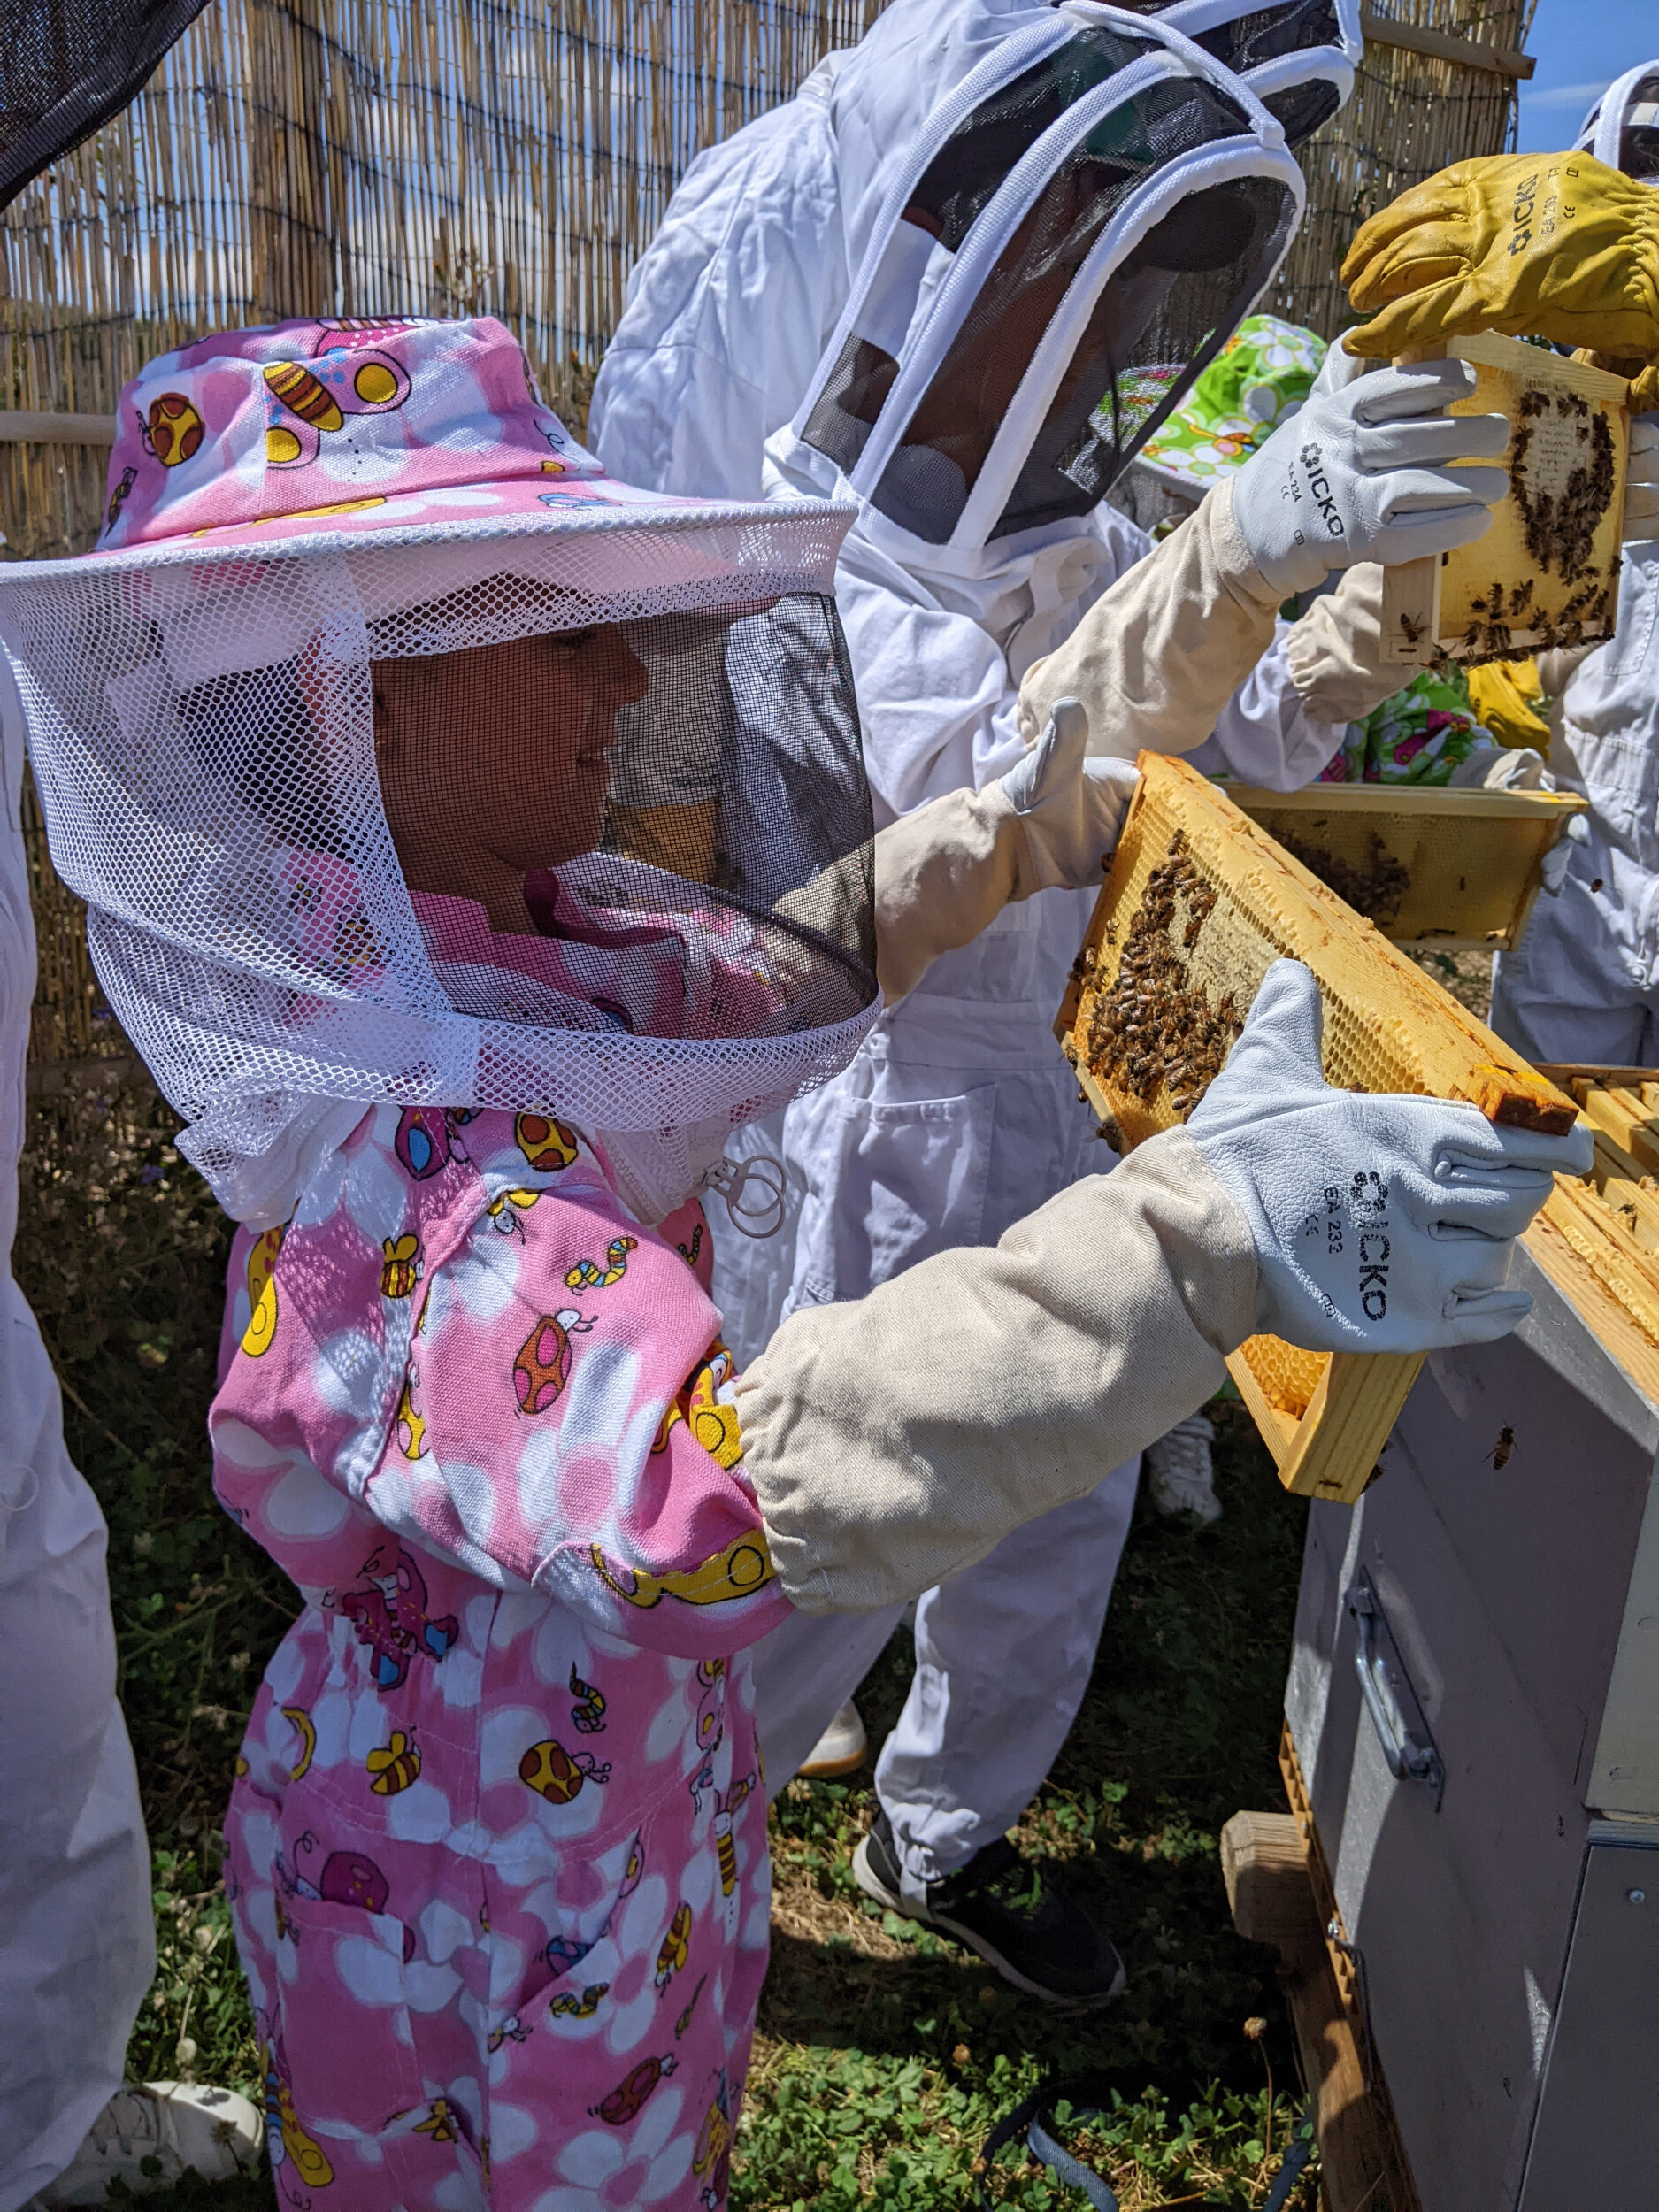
1014	1915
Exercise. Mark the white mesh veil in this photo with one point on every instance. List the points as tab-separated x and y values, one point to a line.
203	727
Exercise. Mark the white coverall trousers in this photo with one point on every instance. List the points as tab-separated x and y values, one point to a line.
1584	982
915	1148
77	1939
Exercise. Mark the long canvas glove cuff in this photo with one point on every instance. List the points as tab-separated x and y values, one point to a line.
896	1439
1158	656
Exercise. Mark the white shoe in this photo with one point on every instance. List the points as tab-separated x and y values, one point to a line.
840	1748
1180	1472
179	2127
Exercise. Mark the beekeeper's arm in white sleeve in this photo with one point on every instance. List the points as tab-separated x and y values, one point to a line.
895	1440
1357	476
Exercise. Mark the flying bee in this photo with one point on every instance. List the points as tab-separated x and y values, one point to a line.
501	1210
725	1842
1498	1457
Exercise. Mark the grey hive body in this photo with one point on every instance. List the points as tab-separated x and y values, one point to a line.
1510	1938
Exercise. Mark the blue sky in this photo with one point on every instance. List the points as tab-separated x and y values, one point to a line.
1581	46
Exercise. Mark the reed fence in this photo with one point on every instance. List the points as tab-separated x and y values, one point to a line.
509	156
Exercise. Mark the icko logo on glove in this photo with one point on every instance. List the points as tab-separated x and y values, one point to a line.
1367	1214
1319	492
1525	208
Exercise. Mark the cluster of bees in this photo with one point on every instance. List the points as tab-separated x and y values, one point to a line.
1374	890
1560	526
1155	1027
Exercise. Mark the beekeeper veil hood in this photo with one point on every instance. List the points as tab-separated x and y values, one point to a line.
400	754
1622	129
1298	57
1068	240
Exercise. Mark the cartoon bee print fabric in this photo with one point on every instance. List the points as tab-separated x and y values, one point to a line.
496	1846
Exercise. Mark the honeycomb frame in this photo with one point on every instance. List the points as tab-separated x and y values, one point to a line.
1530	582
1467	865
1387	1027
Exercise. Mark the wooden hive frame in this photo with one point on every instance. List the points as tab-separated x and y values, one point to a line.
1466	865
1530	582
1599	1241
1389	1027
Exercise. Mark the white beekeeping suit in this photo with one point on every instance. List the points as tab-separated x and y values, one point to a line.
77	1942
959	1116
1584	982
728	313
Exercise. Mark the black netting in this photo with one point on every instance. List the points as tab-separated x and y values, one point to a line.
1176	293
1638	134
70	66
1268	33
1301	109
968	168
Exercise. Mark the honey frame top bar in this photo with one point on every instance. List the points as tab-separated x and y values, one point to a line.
1388	1026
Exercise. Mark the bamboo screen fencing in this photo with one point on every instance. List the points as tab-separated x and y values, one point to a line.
447	157
1413	114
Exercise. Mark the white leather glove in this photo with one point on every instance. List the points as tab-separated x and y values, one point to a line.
1360	475
1072	807
1641	484
1381	1225
1553	868
1498	768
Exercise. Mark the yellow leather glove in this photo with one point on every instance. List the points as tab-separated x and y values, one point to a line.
1553	246
1508	700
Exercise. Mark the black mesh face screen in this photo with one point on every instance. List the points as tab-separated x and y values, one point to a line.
672	812
967	170
954	189
1158	310
1639	140
1158	322
1268	33
70	66
1302	109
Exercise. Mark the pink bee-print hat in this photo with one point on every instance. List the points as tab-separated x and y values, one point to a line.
306	428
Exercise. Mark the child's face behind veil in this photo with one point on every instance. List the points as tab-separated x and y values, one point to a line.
493	761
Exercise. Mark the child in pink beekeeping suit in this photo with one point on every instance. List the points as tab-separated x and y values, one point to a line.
471	843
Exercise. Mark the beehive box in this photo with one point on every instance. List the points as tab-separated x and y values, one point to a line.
1611	1224
1196	906
1455	870
1545	572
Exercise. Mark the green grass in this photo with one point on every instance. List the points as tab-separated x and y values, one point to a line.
885	2055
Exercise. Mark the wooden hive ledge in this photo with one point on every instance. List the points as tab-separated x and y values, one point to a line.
1201	900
